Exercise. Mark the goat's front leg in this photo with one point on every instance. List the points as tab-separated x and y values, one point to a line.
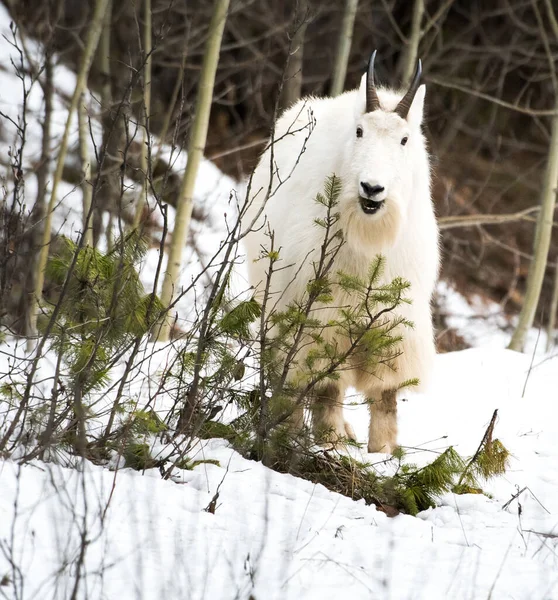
382	435
327	411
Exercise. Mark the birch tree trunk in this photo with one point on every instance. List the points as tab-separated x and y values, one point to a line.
292	84
552	314
344	47
196	148
38	212
411	52
147	48
91	43
543	234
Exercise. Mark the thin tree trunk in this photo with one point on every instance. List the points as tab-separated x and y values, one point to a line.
111	182
168	115
43	170
543	234
86	171
411	52
292	85
147	46
552	316
196	148
552	18
90	46
344	47
38	211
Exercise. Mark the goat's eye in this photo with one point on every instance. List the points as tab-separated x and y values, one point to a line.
359	132
404	140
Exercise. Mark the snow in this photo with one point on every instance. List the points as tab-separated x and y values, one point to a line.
271	535
277	536
482	322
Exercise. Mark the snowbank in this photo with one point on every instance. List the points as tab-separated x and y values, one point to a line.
276	536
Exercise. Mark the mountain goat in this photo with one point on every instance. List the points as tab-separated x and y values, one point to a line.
371	139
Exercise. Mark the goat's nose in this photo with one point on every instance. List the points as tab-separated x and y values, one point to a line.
371	190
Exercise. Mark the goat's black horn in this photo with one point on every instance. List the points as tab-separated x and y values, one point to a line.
372	100
402	109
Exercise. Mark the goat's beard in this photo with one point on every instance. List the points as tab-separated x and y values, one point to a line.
371	233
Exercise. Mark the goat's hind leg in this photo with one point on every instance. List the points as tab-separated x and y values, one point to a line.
382	436
327	415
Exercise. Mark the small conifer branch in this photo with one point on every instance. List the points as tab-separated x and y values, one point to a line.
485	444
321	270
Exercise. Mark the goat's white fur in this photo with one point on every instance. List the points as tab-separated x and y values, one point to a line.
314	139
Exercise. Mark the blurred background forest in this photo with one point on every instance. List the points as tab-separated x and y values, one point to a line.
489	67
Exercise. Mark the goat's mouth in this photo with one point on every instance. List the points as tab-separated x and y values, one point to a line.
369	206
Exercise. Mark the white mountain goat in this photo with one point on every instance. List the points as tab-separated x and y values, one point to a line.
371	139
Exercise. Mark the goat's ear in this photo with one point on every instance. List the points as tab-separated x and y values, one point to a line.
415	112
362	86
360	106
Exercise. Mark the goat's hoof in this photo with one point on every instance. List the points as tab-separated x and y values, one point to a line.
381	447
349	431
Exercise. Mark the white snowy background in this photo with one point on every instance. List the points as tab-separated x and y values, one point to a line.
273	536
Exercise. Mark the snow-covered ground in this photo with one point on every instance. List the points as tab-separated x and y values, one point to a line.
481	322
273	536
276	536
